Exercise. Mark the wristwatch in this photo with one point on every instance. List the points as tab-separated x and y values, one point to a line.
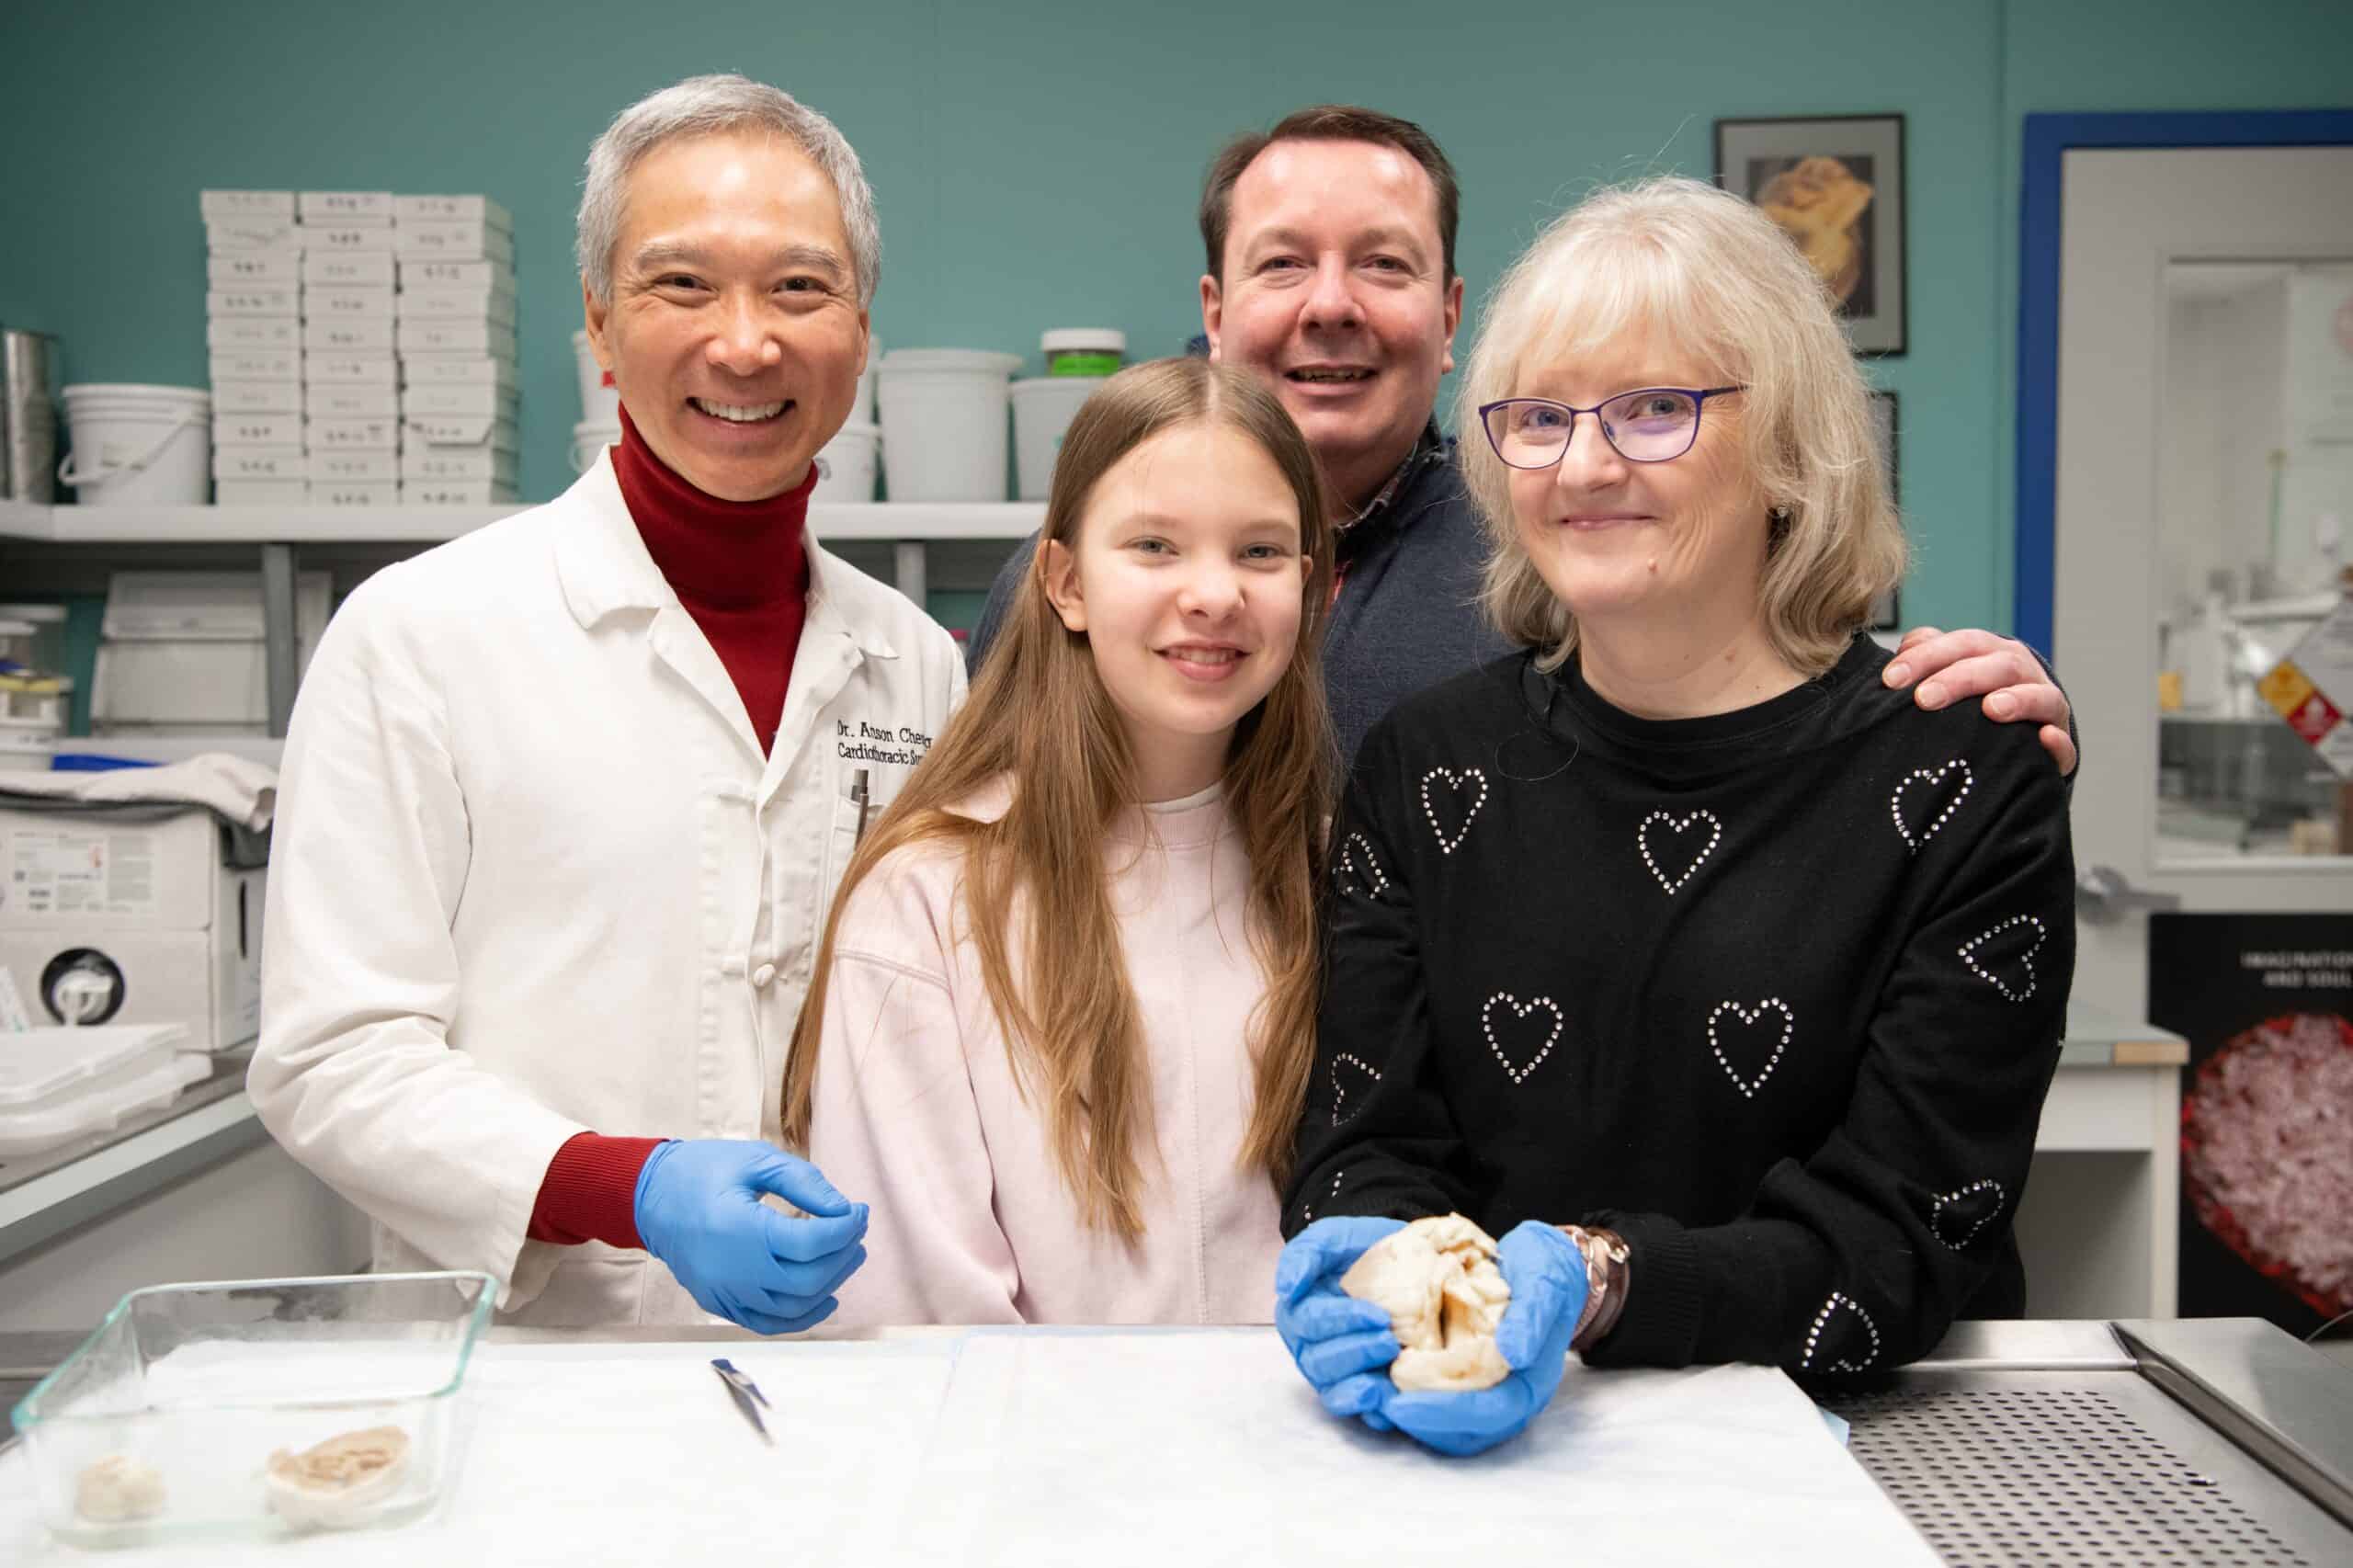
1605	1281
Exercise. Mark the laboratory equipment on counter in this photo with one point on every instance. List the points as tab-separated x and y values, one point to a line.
223	1402
144	914
183	650
744	1393
61	1085
27	416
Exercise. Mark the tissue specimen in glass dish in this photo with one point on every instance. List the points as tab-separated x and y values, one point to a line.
2266	1153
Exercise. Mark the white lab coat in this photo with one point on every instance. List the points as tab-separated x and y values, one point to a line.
532	876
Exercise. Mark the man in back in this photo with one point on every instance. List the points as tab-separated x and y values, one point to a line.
1329	243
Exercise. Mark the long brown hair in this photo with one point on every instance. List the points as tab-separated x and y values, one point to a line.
1039	713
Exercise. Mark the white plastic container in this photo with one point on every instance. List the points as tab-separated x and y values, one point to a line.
261	492
600	401
1043	407
944	423
366	335
456	492
27	745
138	445
1089	351
589	437
57	1084
847	467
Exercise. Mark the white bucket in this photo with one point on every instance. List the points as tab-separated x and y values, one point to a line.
139	445
847	466
589	437
29	745
943	423
1043	409
600	401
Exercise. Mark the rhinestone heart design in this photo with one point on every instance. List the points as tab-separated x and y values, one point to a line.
1643	842
1358	870
1959	1202
2026	958
1519	1074
1815	1333
1340	1090
1469	778
1748	1086
1929	778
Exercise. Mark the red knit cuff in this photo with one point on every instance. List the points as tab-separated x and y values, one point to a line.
590	1191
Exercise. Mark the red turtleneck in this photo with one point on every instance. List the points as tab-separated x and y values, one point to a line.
741	570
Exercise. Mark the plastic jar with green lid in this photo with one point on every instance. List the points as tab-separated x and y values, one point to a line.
1084	351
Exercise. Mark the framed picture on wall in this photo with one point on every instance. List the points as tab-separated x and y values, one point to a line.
1836	186
1886	614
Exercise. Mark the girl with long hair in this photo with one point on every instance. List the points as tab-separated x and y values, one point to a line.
1062	1017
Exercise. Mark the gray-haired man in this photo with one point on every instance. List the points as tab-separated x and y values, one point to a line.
565	801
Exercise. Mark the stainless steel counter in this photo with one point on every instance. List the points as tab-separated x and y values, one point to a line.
2216	1440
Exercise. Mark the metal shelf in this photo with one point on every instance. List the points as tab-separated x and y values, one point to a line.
895	521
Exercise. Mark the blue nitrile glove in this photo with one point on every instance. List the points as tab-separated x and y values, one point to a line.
1342	1346
698	1210
1546	1272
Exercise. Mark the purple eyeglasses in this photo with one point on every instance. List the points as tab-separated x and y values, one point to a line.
1652	424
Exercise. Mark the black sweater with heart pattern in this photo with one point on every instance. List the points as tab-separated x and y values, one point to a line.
1776	993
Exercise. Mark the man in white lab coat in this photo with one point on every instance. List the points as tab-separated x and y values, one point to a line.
564	801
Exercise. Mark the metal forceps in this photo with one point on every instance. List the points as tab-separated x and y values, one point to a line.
744	1391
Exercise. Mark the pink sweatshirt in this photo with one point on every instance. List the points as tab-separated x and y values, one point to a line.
918	1111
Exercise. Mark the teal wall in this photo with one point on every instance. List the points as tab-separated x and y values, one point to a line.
1037	161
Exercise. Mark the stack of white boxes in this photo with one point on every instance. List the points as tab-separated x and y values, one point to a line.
350	367
253	331
456	337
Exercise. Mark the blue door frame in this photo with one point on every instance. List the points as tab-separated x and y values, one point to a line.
2049	138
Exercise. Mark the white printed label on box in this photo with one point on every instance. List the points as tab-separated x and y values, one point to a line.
335	402
258	430
258	462
456	305
386	495
246	204
421	274
453	242
370	207
358	370
335	269
344	304
428	402
448	462
347	239
354	436
253	267
253	332
349	468
256	397
461	431
341	336
286	302
456	370
245	365
252	233
456	492
409	209
261	491
456	337
63	872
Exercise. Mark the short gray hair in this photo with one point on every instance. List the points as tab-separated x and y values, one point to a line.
707	106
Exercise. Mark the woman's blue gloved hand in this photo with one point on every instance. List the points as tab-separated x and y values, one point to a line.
1546	1274
1342	1346
698	1210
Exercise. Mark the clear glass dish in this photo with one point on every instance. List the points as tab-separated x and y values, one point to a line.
182	1415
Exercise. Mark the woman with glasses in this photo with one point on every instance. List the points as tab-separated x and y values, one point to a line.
1720	981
